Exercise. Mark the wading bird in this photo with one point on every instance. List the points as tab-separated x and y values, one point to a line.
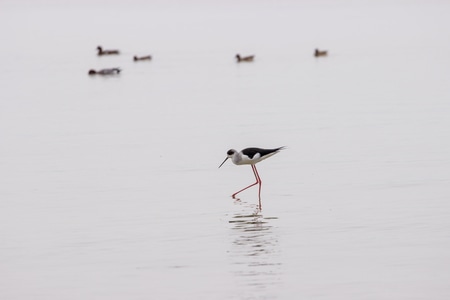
250	156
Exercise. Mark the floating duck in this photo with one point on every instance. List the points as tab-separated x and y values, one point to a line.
111	71
245	58
138	58
318	53
106	52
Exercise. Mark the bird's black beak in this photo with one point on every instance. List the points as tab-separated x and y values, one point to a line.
223	161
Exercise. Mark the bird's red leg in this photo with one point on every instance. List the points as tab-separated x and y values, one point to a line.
258	180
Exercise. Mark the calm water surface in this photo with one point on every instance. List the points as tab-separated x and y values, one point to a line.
110	187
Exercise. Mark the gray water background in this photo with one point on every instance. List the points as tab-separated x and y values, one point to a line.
109	187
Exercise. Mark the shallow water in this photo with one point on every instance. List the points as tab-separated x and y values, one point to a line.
110	187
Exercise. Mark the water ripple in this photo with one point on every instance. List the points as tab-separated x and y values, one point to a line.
255	255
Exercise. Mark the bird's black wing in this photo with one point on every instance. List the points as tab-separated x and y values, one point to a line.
251	152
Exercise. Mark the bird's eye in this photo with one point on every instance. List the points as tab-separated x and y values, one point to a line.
230	152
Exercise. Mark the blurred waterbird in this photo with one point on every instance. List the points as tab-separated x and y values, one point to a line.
106	52
112	71
138	58
318	53
245	58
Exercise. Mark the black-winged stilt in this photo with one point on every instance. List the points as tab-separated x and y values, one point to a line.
250	156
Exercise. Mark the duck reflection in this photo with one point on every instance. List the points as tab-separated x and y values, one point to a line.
255	251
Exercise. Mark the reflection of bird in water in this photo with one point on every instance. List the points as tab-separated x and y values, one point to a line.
250	156
255	253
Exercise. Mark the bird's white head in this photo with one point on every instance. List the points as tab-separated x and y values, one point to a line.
230	154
